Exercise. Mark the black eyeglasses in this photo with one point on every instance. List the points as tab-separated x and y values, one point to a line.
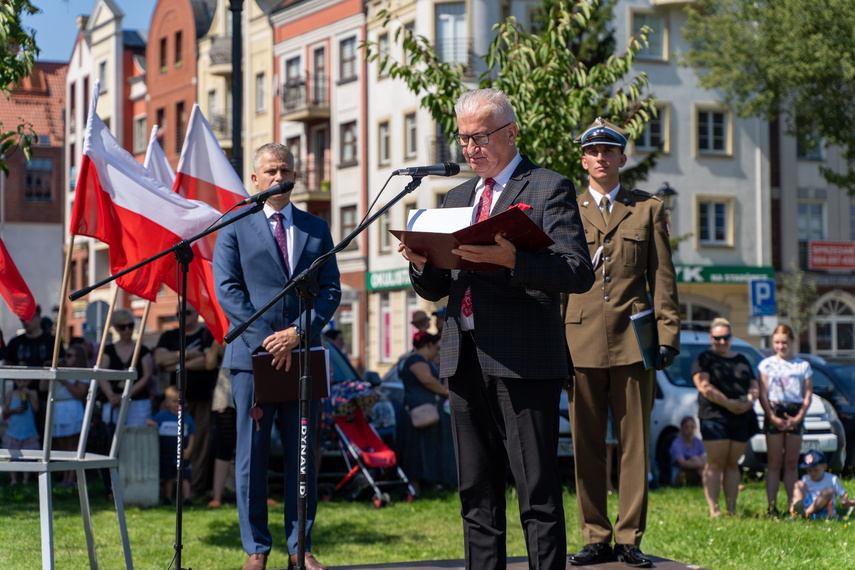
124	326
725	337
480	139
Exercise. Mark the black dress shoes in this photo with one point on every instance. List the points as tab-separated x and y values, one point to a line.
592	554
631	555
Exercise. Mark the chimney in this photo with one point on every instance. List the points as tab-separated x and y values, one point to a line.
82	21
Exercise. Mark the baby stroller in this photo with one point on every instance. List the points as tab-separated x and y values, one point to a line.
369	462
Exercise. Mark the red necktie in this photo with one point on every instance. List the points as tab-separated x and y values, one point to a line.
281	240
483	214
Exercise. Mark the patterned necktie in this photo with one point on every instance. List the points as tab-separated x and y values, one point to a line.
281	240
483	213
606	213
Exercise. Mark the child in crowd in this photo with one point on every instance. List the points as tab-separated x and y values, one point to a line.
19	407
166	421
816	493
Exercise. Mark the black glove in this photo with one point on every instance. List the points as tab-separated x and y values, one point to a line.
665	358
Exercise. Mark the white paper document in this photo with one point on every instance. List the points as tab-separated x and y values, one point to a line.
439	220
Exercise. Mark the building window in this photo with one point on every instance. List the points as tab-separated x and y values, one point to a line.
383	226
140	135
852	222
410	135
102	76
260	94
383	143
451	37
384	330
715	221
834	327
348	223
713	132
293	145
179	54
180	125
383	52
811	220
657	44
37	180
162	55
347	56
654	134
348	144
319	81
810	146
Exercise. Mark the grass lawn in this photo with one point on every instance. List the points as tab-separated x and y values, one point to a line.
429	528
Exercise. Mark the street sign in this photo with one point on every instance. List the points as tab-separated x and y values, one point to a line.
762	326
762	297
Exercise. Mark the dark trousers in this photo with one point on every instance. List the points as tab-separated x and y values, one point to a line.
499	421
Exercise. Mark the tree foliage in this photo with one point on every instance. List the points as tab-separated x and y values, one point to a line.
18	52
558	80
793	59
796	295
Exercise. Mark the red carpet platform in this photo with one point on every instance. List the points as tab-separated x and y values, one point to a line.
518	563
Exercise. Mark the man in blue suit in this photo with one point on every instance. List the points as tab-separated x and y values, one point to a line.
502	346
253	260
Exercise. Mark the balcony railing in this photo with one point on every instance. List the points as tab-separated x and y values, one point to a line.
221	124
457	50
443	151
305	93
314	181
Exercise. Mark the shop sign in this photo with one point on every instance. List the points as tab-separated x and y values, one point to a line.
831	255
388	279
722	274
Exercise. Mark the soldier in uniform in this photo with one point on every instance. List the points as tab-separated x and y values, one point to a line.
628	241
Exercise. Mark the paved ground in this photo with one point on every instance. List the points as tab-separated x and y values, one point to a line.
518	563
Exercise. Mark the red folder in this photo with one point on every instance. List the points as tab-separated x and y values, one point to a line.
512	224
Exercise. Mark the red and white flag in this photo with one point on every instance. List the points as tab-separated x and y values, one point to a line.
201	292
120	203
13	287
204	173
156	161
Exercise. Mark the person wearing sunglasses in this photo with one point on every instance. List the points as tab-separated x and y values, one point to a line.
727	389
117	356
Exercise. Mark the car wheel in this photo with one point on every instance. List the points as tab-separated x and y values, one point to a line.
663	455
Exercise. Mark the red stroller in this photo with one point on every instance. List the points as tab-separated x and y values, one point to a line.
364	451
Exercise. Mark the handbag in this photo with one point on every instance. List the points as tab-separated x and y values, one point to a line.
424	415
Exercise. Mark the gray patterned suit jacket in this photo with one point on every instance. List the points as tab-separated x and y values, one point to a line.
518	328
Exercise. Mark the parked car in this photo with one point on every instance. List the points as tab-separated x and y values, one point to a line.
835	381
676	397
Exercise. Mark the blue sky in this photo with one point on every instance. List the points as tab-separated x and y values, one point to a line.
56	25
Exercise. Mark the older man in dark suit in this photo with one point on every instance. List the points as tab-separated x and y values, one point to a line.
502	345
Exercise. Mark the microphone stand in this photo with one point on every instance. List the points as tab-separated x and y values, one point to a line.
307	290
184	255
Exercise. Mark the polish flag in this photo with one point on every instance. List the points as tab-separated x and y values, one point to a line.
13	287
200	279
156	161
204	173
120	203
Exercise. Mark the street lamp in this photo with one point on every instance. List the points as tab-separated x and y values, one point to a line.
667	194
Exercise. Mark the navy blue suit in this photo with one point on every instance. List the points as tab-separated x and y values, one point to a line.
249	272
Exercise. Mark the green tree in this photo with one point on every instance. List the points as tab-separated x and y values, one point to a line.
18	52
559	80
794	60
796	295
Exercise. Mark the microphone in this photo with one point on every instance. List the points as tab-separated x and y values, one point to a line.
280	188
444	169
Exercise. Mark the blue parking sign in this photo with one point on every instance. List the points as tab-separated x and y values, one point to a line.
762	297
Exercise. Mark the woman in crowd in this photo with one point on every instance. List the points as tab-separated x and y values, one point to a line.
786	387
68	408
117	356
727	390
426	454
